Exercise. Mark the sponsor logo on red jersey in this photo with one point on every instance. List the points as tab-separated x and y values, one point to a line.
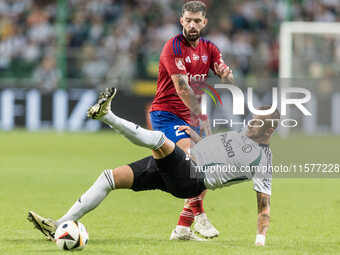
197	77
179	63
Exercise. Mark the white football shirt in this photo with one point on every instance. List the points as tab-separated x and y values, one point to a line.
231	157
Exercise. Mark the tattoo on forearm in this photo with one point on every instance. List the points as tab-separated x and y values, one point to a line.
265	216
263	204
187	94
263	223
183	82
263	201
264	230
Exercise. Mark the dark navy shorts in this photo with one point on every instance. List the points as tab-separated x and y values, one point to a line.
174	174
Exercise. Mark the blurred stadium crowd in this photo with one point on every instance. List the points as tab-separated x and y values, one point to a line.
119	41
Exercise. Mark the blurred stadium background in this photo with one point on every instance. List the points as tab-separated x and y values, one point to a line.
66	50
56	55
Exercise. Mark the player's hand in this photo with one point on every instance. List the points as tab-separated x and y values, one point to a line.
205	127
193	135
222	70
186	129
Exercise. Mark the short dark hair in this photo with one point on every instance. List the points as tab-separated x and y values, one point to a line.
194	6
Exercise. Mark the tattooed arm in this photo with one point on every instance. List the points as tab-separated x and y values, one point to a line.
263	218
185	92
187	95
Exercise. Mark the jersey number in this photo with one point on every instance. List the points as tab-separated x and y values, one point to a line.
178	132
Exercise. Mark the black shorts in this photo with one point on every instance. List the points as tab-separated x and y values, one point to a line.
174	174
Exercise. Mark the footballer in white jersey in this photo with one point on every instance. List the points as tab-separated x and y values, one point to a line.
231	157
171	170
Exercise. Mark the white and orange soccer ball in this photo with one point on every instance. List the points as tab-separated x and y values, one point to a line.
71	235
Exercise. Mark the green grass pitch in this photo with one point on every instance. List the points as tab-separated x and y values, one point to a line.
47	172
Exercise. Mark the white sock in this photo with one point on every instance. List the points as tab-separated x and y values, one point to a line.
180	228
91	198
136	134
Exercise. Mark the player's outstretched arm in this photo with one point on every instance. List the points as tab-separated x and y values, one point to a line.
263	218
187	95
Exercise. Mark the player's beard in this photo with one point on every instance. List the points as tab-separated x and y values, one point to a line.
192	38
253	135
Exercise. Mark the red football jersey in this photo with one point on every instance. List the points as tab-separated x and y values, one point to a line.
180	57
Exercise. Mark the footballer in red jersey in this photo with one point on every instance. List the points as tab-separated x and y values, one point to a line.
186	59
180	57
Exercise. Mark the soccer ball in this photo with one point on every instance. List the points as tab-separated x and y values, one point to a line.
71	235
